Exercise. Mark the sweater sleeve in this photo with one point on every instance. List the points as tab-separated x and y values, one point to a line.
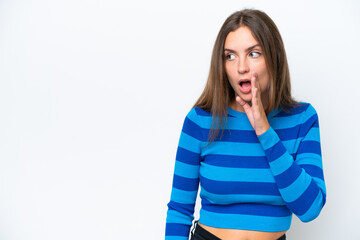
299	177
185	180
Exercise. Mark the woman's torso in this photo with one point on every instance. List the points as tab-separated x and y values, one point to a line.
238	190
241	202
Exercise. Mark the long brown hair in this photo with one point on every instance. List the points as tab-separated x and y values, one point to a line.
218	93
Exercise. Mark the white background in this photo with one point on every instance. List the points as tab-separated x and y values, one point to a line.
93	94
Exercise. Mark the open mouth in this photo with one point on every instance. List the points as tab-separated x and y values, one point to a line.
245	86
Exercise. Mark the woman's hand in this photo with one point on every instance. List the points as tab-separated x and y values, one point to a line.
255	113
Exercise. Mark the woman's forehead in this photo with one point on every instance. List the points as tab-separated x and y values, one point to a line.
241	38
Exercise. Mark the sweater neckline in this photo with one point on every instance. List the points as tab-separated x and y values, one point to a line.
235	113
238	114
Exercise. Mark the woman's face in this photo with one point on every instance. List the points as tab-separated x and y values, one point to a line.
243	56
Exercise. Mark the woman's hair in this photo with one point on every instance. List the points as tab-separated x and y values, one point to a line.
218	92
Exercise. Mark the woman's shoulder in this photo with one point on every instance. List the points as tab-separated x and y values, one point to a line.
198	112
299	108
200	117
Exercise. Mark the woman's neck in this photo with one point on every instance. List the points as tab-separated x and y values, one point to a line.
236	106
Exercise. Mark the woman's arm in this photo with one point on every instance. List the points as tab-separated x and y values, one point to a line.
185	181
300	178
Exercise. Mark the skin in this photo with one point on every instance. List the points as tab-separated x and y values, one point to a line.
244	62
255	113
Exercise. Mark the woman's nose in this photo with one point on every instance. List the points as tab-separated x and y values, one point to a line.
243	66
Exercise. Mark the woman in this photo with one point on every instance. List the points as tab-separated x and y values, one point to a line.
254	150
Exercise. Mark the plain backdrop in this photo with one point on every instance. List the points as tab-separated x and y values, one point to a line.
93	94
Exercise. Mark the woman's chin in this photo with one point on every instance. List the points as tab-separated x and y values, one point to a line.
246	97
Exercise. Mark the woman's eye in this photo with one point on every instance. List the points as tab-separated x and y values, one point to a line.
230	56
254	54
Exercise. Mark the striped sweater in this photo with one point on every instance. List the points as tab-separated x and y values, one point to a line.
247	182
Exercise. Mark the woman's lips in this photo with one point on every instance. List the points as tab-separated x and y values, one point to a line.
245	86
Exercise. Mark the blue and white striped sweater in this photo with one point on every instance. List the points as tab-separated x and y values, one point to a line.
247	182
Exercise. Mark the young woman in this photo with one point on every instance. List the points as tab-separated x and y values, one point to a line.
254	150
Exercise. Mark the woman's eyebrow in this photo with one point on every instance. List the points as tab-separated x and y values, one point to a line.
254	46
229	50
247	50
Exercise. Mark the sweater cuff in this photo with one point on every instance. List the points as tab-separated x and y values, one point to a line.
268	138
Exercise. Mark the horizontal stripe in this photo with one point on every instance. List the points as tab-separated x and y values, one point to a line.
245	222
238	133
312	135
309	158
289	176
236	161
308	124
205	121
242	115
314	210
286	122
231	112
235	149
180	213
294	111
201	112
249	136
281	164
236	114
242	149
193	130
181	196
236	174
247	209
228	187
296	189
241	198
187	156
176	238
186	170
313	171
304	202
186	184
233	123
310	147
189	143
174	229
289	133
297	133
275	151
243	136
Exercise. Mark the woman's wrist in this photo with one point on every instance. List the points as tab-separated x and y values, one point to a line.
262	130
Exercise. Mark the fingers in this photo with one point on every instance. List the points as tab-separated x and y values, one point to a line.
255	89
253	82
257	83
256	94
240	100
243	103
